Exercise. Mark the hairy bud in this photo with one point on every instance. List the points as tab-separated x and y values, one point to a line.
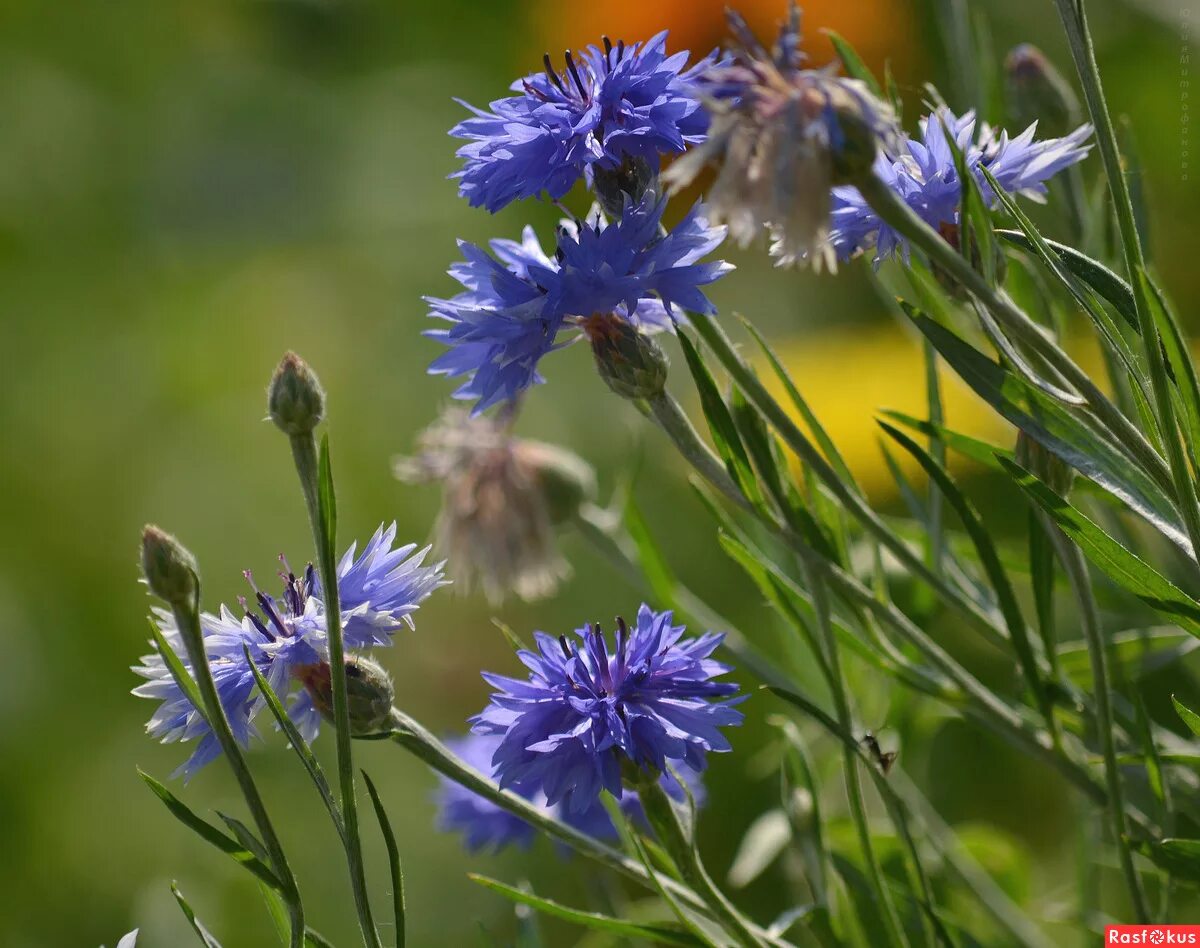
631	363
369	693
1037	92
169	567
295	399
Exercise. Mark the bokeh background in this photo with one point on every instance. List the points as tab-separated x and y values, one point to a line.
189	189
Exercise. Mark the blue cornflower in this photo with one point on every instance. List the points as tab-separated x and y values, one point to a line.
486	826
583	710
287	641
515	305
605	108
923	173
783	135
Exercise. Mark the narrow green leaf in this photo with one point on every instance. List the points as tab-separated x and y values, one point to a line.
299	745
654	565
244	836
820	435
660	934
206	938
1134	654
277	912
853	63
316	939
179	672
977	241
1119	564
1057	430
1189	717
1154	771
764	840
720	422
989	559
393	851
511	637
1180	857
1179	357
983	453
209	833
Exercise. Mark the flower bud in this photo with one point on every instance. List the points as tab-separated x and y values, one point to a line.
631	363
566	481
295	399
1037	92
369	693
629	180
853	154
170	569
1058	475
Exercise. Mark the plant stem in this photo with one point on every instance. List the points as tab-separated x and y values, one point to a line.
1074	20
187	621
672	419
837	686
1077	573
663	815
304	452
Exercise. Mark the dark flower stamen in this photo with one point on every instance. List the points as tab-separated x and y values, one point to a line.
551	74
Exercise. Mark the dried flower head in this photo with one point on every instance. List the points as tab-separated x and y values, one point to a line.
783	136
501	499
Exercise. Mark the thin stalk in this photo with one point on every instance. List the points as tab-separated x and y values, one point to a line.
663	815
893	927
1074	18
304	452
1089	619
898	215
678	427
937	448
187	620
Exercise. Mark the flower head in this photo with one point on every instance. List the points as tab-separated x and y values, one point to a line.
486	826
516	304
585	709
783	136
286	640
923	173
502	497
601	109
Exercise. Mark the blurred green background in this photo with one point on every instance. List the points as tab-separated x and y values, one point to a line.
189	189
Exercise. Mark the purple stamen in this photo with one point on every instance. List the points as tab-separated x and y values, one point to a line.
552	75
575	74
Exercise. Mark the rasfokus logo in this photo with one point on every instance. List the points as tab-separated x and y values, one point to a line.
1152	935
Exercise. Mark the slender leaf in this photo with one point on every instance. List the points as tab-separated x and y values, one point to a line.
853	63
720	422
1179	357
1134	654
1188	716
1119	564
1180	857
393	851
206	938
654	565
760	846
183	678
326	493
209	833
981	452
244	836
658	933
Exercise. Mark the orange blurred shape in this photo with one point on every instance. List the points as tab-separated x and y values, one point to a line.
880	29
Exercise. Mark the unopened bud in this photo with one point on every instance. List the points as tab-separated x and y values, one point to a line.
566	480
169	567
1058	475
631	179
295	399
1037	92
369	693
854	154
631	363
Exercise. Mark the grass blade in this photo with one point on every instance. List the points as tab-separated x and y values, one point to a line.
393	851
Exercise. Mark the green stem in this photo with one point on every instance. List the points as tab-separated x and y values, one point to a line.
1089	619
837	686
672	419
663	815
187	620
1074	19
304	452
898	215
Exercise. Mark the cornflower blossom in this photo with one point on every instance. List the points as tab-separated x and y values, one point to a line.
502	499
783	136
566	729
614	109
287	641
486	826
923	173
521	303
